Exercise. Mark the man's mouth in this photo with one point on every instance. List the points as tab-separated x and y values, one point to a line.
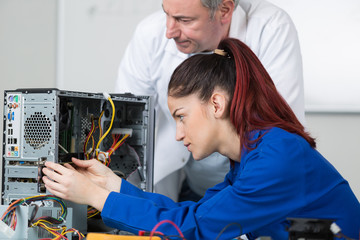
182	43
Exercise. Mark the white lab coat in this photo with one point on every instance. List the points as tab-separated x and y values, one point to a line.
150	59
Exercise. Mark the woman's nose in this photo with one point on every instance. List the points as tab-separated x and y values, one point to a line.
179	134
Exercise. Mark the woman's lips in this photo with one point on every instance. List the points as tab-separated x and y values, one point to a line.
187	146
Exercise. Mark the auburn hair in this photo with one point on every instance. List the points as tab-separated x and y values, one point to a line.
255	104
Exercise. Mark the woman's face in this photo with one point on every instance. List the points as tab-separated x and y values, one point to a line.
195	125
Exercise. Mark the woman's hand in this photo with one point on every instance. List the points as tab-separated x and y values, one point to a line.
98	173
70	184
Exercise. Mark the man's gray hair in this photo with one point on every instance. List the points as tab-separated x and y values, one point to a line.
213	5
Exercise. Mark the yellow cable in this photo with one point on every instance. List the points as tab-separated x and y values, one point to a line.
111	123
50	230
92	146
118	143
123	139
94	214
99	123
90	134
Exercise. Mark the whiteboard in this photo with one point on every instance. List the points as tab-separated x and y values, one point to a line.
329	34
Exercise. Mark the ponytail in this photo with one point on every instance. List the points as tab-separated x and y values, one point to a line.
256	103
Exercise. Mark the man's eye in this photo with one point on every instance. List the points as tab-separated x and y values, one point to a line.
184	20
181	118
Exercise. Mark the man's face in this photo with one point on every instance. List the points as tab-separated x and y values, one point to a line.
188	22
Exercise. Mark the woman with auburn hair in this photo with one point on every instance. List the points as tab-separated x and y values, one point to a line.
225	102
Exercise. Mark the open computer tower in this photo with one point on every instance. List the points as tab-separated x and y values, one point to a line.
55	125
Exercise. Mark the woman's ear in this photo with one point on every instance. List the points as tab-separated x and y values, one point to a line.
218	104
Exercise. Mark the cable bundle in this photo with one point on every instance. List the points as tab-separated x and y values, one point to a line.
116	144
162	235
10	219
94	152
92	212
9	216
88	153
102	136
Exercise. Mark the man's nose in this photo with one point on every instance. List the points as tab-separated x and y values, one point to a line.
172	29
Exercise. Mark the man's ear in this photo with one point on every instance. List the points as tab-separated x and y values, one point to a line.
226	10
218	104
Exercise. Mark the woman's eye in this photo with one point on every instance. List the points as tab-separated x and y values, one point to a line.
181	118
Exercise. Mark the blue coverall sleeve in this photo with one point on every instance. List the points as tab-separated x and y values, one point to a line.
264	193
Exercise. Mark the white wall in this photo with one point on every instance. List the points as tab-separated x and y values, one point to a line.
78	44
27	46
329	33
93	36
27	43
338	140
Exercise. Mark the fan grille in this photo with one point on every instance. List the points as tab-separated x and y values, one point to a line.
37	132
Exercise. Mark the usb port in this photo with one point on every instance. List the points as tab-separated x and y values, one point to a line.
10	132
15	140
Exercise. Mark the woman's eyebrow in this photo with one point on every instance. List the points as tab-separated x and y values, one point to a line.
174	113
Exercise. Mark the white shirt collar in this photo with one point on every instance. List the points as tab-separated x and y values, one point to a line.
238	24
171	47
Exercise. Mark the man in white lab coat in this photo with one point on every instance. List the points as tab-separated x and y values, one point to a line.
184	27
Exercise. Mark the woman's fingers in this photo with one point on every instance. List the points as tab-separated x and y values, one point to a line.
64	186
54	166
58	173
72	185
54	187
82	163
69	166
52	174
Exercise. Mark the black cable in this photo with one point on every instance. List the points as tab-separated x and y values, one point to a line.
226	227
169	237
33	214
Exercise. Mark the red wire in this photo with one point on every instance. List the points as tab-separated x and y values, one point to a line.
115	139
109	160
10	208
166	221
14	218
